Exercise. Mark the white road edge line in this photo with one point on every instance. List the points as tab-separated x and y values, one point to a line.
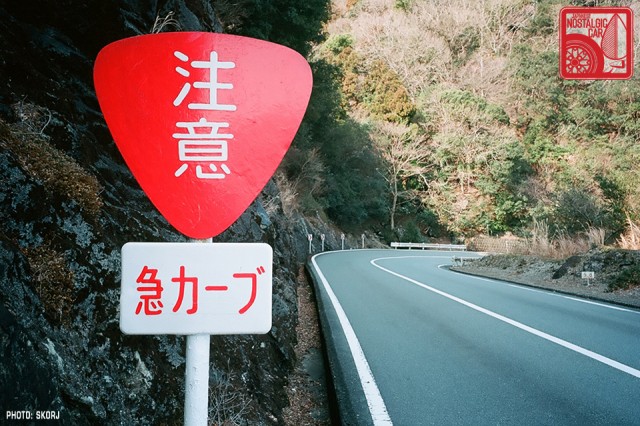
377	407
604	305
603	359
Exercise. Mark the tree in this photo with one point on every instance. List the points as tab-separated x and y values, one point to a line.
406	157
355	190
296	24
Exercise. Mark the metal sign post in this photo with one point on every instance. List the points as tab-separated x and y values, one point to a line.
196	380
196	376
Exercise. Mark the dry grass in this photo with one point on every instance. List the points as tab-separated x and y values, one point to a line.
57	171
287	196
53	281
543	244
162	24
566	246
562	245
630	240
228	405
596	237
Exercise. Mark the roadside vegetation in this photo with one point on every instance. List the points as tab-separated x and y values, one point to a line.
448	120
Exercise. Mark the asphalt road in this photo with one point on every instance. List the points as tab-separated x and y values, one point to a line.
412	343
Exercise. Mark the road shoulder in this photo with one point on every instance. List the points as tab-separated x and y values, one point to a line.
349	401
539	273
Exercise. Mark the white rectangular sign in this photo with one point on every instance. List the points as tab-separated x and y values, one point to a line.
588	275
196	288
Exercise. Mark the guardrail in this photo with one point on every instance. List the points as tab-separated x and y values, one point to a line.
428	246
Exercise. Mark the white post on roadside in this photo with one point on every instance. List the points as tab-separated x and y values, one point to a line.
322	239
310	238
362	240
588	275
342	238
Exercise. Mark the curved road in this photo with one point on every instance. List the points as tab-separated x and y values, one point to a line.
414	344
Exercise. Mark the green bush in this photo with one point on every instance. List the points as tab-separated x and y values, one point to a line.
377	87
355	190
627	278
410	233
337	43
466	105
464	44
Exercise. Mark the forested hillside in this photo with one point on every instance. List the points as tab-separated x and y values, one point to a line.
449	119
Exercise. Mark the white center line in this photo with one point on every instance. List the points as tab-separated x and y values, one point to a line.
603	359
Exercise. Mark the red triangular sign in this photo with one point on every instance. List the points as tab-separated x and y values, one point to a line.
202	119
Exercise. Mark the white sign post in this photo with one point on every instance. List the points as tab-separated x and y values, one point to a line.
588	275
362	240
322	239
196	380
310	238
342	238
196	290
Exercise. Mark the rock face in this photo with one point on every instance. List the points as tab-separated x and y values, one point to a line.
67	205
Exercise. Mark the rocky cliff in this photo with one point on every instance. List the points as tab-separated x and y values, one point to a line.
67	205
